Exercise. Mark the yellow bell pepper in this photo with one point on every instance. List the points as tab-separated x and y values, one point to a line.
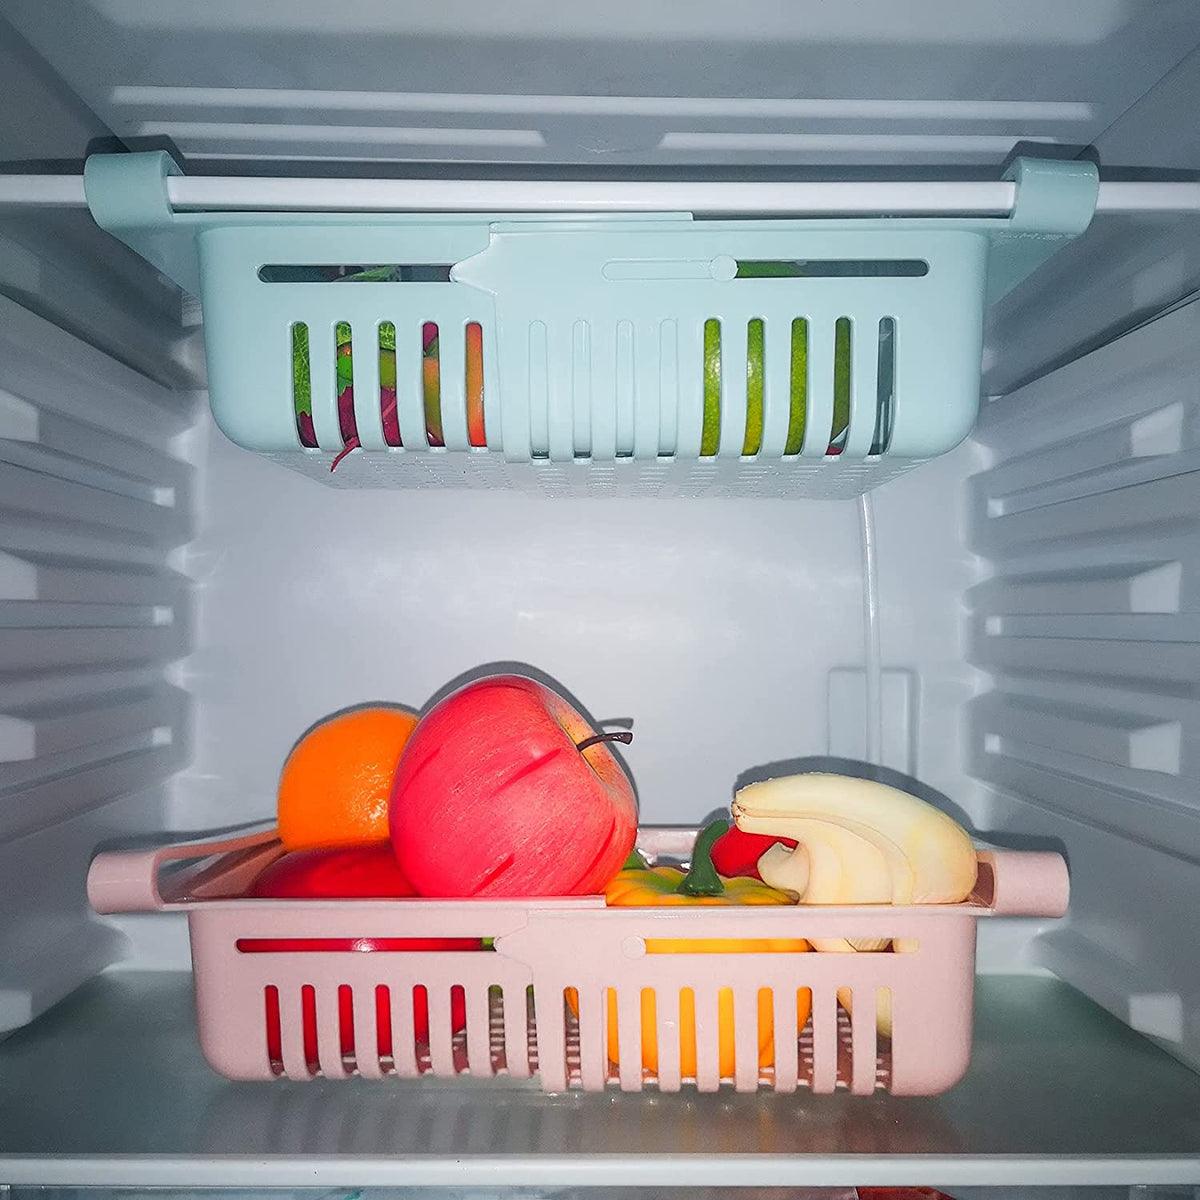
637	885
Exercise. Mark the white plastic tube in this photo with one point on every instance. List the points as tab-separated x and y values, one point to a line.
242	194
873	662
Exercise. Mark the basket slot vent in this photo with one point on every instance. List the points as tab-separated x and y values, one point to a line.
885	395
835	268
843	377
625	389
539	390
388	413
274	1038
344	386
473	372
427	386
770	417
668	387
302	386
797	390
431	382
353	273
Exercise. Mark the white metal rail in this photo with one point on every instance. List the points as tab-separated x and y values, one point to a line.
236	193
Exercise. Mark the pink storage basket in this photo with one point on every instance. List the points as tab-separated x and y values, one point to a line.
286	1011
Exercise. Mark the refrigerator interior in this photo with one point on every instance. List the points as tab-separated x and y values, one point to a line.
1023	610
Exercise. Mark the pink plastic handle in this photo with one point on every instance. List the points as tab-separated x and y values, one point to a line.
1010	882
1022	883
125	881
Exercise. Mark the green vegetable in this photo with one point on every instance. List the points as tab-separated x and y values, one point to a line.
799	390
301	379
760	269
386	274
841	381
702	879
710	430
755	367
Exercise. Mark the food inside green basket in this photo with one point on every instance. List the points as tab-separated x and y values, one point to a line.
710	430
431	385
302	386
347	425
710	436
841	385
754	387
387	384
798	406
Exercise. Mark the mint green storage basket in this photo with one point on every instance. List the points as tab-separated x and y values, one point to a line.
598	335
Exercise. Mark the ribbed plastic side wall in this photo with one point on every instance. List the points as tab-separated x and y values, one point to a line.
92	502
1090	628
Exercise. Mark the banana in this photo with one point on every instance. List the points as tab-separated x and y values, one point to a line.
835	863
859	842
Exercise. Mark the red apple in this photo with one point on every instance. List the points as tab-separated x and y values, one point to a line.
504	789
346	872
352	872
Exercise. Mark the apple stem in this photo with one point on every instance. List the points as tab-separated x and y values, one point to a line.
621	735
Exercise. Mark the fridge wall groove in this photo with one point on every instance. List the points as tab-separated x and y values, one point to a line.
1088	625
93	503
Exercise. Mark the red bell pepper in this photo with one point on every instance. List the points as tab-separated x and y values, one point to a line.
736	853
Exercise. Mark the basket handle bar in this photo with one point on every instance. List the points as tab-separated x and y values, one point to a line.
1009	883
1021	883
124	881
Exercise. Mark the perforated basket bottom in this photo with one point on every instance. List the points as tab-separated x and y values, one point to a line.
815	479
766	1075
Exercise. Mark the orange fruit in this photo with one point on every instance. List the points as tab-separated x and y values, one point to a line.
335	785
